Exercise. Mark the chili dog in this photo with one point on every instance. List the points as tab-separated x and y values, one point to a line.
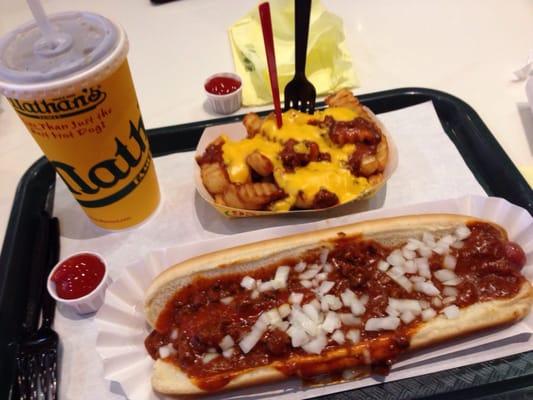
351	298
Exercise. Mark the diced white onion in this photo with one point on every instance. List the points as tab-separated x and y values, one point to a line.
249	340
282	274
325	287
449	262
311	312
266	286
338	336
353	335
413	244
298	317
164	351
316	345
282	325
462	232
428	239
403	281
357	308
262	322
425	251
321	276
408	254
208	357
173	334
422	264
272	316
315	303
407	317
334	303
410	267
324	306
441	249
383	265
306	284
402	305
396	271
331	323
379	324
298	336
444	275
296	298
315	282
450	291
228	353
424	304
347	297
324	256
417	278
349	319
328	267
392	311
427	288
309	274
458	244
226	343
300	267
395	258
449	300
284	310
248	283
436	302
451	312
255	294
447	240
278	284
226	300
452	282
428	313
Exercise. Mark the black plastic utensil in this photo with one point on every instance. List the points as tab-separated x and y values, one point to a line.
37	355
300	94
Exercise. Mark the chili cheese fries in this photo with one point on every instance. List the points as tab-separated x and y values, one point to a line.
312	162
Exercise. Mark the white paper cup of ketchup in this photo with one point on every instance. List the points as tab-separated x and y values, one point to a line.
79	281
224	92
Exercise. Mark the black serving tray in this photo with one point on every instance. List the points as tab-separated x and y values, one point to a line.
509	377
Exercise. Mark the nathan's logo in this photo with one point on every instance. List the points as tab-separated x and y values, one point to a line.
61	107
111	172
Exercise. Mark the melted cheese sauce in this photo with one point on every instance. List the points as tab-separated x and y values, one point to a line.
308	180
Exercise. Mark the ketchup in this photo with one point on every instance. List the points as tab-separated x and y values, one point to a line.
78	276
222	85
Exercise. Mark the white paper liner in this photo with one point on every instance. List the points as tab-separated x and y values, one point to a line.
122	327
236	131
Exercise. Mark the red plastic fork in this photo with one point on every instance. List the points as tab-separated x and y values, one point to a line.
266	26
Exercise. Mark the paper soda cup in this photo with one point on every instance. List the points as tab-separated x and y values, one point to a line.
77	99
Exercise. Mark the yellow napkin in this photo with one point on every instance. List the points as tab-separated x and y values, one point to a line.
527	172
329	66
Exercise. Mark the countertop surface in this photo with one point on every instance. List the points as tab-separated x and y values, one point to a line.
468	49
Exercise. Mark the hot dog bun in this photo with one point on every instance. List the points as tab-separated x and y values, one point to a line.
170	379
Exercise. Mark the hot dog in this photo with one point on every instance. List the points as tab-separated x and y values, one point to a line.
354	298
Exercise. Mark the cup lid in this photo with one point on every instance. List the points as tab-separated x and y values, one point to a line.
81	41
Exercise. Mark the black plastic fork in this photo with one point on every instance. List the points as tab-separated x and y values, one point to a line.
300	94
37	354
